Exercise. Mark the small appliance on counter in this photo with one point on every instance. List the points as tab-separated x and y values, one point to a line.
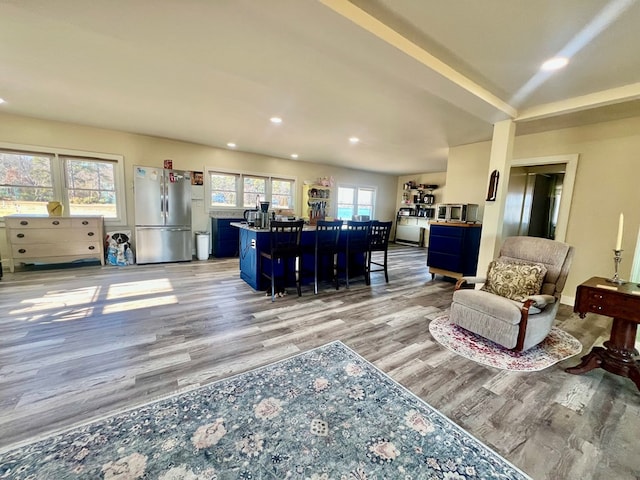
258	217
457	212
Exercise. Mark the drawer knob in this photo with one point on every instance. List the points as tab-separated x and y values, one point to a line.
56	222
20	235
22	250
91	234
92	247
24	222
85	222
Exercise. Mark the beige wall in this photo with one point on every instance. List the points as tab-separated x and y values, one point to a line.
468	175
606	184
152	151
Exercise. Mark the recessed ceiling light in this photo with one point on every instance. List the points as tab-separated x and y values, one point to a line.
554	63
276	120
294	155
231	145
2	100
354	140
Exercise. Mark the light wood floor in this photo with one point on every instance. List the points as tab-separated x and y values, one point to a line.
76	344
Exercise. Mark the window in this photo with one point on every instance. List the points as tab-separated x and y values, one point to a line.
224	189
84	184
353	200
239	190
255	190
91	186
282	193
26	182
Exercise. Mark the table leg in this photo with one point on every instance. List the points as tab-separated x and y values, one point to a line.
617	356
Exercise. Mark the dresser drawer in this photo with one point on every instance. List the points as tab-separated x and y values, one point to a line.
26	236
448	231
52	222
607	303
55	250
43	222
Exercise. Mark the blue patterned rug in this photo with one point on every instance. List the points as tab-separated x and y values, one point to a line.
326	414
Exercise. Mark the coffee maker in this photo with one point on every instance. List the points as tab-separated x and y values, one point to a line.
262	215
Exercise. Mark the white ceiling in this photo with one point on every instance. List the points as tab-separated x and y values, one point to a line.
410	78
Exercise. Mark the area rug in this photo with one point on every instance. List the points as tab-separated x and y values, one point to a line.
323	414
558	346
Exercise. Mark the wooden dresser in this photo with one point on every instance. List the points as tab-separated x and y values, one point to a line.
44	239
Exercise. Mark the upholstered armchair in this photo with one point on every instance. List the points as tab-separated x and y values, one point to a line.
520	296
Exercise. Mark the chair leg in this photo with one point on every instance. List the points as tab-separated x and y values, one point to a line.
334	265
315	274
346	268
297	266
367	271
386	274
273	281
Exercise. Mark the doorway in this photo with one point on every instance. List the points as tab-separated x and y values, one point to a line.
539	196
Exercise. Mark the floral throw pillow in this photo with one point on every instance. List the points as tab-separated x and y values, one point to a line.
514	280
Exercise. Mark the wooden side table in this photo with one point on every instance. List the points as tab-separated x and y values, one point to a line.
622	302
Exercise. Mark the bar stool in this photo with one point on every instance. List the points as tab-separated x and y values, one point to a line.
284	247
326	246
378	242
357	248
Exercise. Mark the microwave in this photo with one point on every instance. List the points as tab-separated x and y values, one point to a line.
457	212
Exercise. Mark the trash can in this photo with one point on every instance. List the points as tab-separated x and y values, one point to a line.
202	245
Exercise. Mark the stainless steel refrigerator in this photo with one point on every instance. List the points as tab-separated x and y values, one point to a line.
163	215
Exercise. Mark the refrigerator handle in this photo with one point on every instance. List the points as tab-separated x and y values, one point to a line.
164	206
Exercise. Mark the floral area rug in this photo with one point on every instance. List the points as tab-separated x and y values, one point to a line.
558	346
324	414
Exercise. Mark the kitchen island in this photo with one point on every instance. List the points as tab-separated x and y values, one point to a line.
254	240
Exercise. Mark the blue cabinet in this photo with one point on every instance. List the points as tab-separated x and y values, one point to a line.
251	242
224	237
453	249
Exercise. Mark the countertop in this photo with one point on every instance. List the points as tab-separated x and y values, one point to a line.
256	229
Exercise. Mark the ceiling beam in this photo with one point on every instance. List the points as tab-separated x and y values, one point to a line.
371	24
603	98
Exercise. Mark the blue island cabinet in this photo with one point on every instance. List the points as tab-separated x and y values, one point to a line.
453	249
251	243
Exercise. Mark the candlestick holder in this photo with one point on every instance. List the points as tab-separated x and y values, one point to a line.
617	258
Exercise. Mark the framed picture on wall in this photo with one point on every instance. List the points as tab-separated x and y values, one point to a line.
197	178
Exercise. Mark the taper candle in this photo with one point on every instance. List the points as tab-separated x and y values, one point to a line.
620	228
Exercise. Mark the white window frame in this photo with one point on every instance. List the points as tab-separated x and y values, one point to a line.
58	175
240	187
237	177
356	192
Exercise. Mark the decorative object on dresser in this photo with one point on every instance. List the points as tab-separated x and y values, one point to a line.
453	249
518	303
323	414
44	239
557	346
622	302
